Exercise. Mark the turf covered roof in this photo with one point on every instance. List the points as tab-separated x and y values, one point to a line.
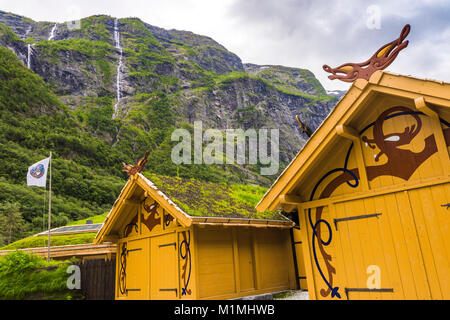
209	199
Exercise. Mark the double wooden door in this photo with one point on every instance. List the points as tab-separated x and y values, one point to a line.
393	246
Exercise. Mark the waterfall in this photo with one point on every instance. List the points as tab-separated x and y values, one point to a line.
29	56
28	31
119	66
52	33
29	47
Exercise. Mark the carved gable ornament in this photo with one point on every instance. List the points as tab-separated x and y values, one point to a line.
384	56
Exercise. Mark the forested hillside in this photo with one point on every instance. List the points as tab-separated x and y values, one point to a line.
104	93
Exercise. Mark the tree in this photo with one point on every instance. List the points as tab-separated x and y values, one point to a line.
11	222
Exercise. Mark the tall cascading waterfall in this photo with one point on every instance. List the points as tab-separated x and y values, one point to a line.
29	48
52	33
29	55
119	67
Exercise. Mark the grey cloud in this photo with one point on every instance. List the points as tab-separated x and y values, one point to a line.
335	32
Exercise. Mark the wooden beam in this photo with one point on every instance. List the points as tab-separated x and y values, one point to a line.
441	144
290	199
375	192
347	132
353	135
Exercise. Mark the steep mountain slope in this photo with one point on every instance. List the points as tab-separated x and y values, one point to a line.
113	88
33	121
81	67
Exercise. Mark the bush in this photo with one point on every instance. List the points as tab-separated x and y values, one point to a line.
25	275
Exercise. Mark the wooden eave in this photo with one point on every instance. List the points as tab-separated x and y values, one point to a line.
433	92
241	222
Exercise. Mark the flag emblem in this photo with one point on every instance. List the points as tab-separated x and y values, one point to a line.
38	171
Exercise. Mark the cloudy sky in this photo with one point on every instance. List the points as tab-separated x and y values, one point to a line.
295	33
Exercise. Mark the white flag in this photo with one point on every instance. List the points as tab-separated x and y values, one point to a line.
37	173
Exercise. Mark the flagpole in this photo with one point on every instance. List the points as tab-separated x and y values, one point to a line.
49	206
43	213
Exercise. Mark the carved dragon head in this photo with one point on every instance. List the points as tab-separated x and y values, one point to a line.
384	56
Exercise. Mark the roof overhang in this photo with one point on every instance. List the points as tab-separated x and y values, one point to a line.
433	92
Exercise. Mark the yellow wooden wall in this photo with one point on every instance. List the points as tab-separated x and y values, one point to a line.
408	245
234	262
169	261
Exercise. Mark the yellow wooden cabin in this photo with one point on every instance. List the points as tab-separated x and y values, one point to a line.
214	252
371	190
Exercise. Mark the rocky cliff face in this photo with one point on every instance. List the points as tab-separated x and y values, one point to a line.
201	79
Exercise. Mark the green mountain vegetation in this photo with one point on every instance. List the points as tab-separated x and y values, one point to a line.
64	103
27	276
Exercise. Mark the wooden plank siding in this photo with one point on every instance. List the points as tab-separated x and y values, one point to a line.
234	263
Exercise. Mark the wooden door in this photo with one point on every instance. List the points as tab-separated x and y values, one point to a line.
380	250
373	252
246	261
164	267
432	218
133	266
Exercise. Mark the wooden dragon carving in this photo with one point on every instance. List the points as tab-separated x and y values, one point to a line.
132	170
349	72
304	127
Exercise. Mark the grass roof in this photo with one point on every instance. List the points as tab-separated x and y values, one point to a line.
95	219
56	240
209	199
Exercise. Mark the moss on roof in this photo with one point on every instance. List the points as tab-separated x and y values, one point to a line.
56	240
209	199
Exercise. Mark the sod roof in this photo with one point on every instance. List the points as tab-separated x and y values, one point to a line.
209	199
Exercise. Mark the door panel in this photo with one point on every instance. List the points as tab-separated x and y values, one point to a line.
433	229
164	271
408	243
383	247
137	265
